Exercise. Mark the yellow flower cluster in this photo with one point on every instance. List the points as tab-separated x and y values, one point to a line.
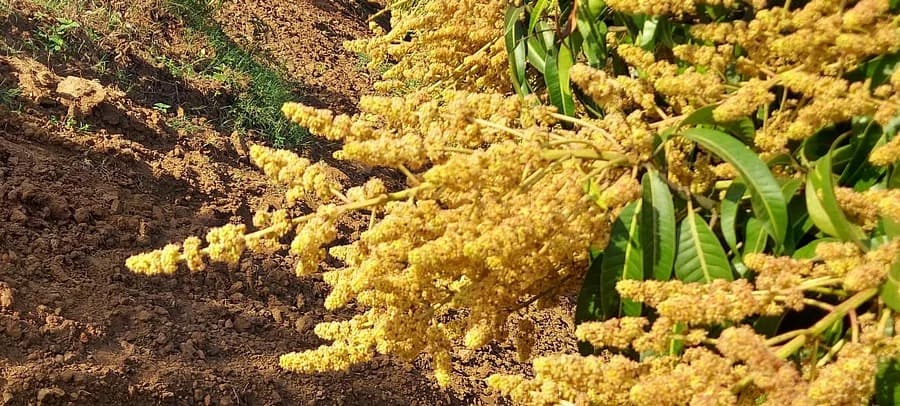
159	262
887	153
457	43
700	375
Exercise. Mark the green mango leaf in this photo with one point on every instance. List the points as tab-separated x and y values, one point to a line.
536	53
743	128
622	259
823	206
890	289
540	6
858	168
556	76
789	187
587	307
818	145
728	210
647	36
765	195
890	227
756	237
594	33
700	256
887	382
768	325
657	227
516	49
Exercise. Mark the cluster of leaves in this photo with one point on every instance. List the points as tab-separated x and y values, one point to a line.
671	233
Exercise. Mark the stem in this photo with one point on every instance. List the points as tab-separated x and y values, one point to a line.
585	124
816	303
584	153
413	179
498	127
785	336
838	313
831	352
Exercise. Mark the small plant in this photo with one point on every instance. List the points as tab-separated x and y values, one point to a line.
162	107
54	38
9	97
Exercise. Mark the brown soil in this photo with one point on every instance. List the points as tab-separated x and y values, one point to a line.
91	173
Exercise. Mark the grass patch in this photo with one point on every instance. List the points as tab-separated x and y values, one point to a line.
258	106
9	96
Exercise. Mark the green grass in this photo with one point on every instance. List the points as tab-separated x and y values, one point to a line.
258	107
9	96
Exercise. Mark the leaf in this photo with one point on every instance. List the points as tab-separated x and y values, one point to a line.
891	228
516	49
556	76
587	307
756	237
789	188
622	259
700	116
594	34
700	256
823	206
536	53
768	325
536	13
887	382
858	168
765	195
648	34
728	210
743	128
890	289
657	230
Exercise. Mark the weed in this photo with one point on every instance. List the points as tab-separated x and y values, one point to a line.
162	107
183	123
76	125
54	38
9	97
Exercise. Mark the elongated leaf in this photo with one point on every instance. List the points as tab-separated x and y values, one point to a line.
887	382
540	6
594	33
756	237
536	53
588	308
823	206
556	76
890	289
700	256
622	259
648	33
765	194
728	210
657	227
516	49
859	168
891	228
768	325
